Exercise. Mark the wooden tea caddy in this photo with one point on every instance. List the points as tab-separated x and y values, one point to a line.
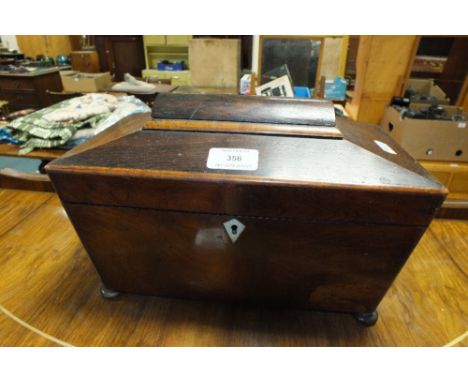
250	199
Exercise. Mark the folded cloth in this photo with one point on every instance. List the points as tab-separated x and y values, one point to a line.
132	85
70	114
37	131
72	121
81	108
128	105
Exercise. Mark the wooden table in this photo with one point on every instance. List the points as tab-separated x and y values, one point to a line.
9	149
49	296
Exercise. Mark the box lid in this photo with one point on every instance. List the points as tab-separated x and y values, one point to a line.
336	171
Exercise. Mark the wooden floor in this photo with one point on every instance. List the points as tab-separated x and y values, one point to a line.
49	296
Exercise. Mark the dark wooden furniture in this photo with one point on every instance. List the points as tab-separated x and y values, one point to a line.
120	55
29	90
324	220
444	58
86	61
455	69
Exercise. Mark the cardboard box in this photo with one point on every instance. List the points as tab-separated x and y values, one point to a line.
73	81
215	62
427	88
426	139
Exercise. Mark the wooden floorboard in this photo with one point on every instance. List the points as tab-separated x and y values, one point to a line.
49	294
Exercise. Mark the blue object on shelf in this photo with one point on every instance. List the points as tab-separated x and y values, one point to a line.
171	66
335	89
302	92
62	59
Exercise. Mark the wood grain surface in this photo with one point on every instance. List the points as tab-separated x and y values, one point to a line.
49	296
296	177
255	109
323	232
303	264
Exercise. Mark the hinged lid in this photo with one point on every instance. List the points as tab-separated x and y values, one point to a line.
363	177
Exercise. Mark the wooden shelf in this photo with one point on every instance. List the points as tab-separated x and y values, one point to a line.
8	149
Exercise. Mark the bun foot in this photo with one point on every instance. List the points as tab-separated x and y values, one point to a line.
366	319
109	293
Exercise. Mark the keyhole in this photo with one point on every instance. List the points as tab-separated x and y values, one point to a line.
234	229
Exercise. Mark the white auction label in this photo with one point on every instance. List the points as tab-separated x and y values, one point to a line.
232	159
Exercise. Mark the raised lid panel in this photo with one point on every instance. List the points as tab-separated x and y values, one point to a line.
244	109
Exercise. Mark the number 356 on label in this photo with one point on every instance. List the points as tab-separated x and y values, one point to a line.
232	159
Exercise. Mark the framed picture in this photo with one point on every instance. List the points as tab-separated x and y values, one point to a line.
302	54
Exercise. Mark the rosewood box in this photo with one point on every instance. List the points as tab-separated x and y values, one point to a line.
249	199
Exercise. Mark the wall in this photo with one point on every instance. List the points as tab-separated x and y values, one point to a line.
49	45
